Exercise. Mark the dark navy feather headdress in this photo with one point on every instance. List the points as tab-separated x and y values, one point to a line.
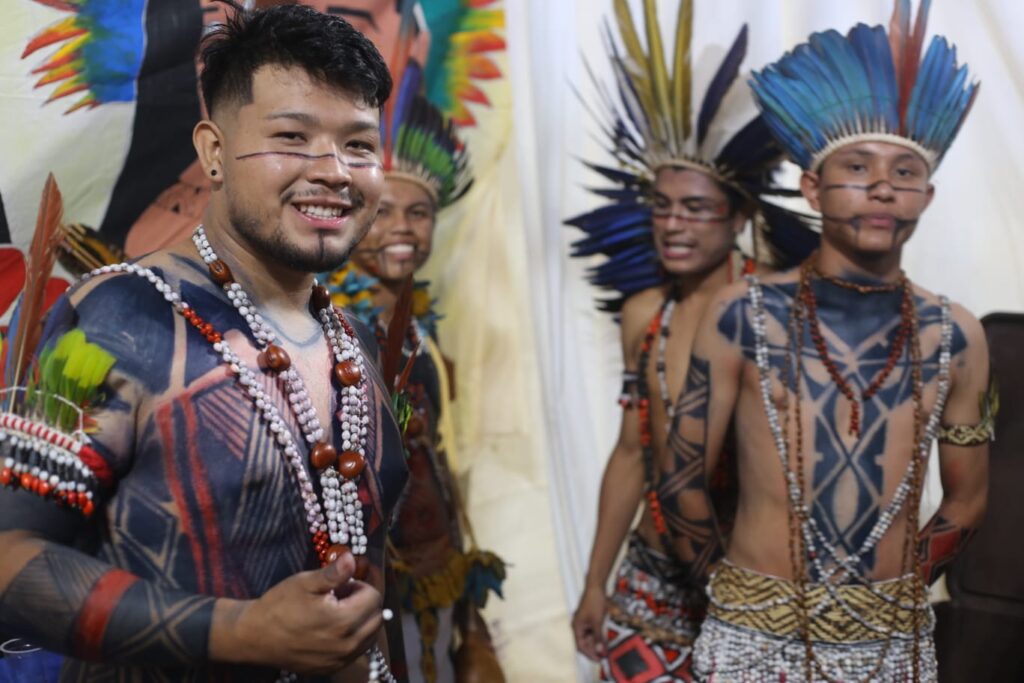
867	86
650	123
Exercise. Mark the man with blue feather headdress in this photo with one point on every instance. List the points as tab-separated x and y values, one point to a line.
839	376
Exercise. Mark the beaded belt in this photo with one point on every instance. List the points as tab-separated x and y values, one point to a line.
771	605
751	634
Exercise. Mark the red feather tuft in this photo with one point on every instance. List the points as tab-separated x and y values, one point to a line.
471	93
899	27
483	68
39	264
910	61
64	5
53	34
481	41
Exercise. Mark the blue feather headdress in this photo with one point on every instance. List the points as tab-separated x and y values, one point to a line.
867	86
650	124
420	144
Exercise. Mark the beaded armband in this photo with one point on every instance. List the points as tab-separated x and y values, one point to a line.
50	464
981	433
628	397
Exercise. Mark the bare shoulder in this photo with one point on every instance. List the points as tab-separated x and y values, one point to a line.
970	345
724	317
637	313
968	334
778	277
115	281
642	306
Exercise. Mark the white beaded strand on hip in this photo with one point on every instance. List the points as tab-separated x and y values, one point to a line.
341	516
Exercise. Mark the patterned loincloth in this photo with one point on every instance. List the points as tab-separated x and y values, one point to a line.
859	631
652	620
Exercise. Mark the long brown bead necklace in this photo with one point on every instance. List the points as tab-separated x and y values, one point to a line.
799	552
810	302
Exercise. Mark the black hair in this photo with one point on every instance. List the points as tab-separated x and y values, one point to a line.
327	47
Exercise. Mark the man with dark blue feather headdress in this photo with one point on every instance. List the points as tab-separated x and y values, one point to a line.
691	177
839	376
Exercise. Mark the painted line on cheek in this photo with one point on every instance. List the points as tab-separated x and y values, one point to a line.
868	188
310	157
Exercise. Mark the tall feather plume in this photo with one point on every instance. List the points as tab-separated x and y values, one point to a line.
682	71
720	84
658	70
41	256
633	68
911	59
630	37
899	33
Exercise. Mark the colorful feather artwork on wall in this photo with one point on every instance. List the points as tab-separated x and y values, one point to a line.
465	34
98	51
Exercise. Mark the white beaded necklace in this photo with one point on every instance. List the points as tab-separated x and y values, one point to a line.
340	520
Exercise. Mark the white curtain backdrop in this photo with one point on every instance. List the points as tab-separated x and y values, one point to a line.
969	245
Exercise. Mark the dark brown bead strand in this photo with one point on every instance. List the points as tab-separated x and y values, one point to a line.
323	455
220	272
895	352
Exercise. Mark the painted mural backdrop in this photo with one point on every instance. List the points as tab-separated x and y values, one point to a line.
104	94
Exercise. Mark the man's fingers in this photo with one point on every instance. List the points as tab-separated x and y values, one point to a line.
367	634
328	578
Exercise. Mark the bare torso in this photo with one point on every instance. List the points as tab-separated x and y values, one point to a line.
683	323
848	479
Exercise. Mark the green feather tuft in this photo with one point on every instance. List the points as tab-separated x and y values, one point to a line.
73	369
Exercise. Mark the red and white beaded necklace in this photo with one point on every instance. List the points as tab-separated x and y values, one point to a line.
337	526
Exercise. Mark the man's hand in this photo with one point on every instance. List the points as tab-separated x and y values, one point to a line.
588	623
301	624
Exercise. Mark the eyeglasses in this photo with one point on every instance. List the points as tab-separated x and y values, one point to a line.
694	211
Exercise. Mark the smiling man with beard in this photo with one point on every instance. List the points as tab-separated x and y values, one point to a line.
248	457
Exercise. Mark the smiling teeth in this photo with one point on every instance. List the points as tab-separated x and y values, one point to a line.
400	249
321	211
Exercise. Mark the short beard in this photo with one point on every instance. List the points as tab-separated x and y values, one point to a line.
276	248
